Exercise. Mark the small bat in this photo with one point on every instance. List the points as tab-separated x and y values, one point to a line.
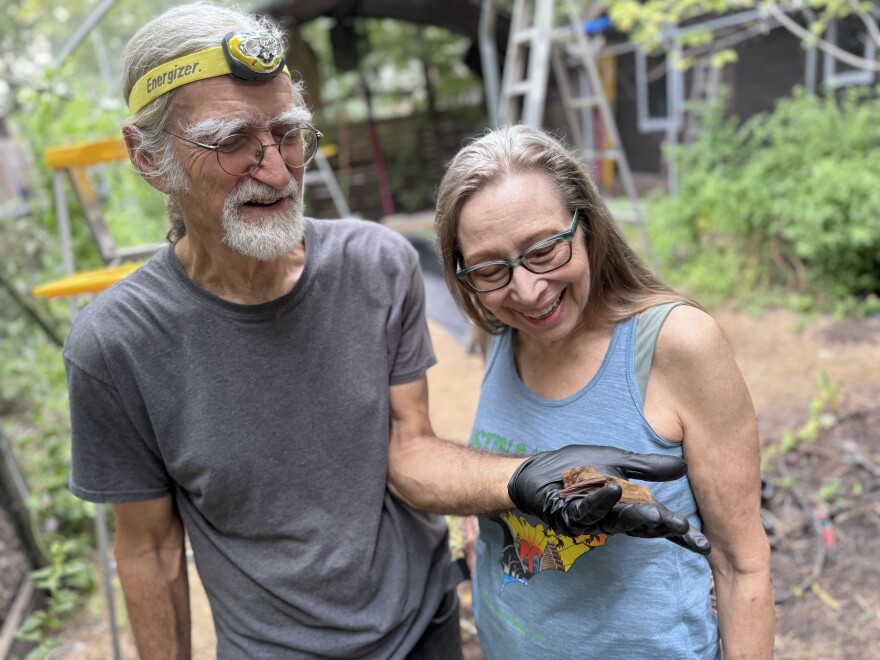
587	479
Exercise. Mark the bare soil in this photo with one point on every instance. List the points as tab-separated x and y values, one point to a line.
837	615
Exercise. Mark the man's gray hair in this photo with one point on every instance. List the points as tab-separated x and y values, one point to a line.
179	31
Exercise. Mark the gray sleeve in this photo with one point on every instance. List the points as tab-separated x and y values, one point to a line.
409	341
110	462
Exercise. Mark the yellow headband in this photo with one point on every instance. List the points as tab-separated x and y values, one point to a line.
247	56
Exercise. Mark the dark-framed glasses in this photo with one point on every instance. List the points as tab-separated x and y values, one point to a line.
542	257
240	154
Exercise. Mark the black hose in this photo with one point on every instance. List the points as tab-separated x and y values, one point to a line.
813	523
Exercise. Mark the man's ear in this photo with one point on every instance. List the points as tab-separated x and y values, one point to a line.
144	162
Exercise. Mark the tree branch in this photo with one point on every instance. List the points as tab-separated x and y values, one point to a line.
835	51
870	23
31	312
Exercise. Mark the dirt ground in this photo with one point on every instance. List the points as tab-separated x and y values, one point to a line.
835	479
781	359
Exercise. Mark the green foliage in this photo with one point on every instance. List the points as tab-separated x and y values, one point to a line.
62	580
54	108
417	163
784	205
134	212
821	416
399	62
830	491
33	385
33	33
33	394
648	21
34	417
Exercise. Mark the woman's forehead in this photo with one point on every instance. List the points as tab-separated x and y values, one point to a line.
510	215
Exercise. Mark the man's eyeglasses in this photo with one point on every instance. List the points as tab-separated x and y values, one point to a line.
241	153
542	257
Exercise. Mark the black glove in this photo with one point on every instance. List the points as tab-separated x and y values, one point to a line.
536	482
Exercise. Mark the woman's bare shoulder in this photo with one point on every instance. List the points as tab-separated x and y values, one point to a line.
690	334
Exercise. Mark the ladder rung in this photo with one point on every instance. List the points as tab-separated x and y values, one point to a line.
585	102
576	52
524	36
601	154
521	88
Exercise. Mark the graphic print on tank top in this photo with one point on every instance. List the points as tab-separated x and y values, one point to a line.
530	548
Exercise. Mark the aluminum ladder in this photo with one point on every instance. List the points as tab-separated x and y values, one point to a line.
536	43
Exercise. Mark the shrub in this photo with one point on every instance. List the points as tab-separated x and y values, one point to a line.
784	202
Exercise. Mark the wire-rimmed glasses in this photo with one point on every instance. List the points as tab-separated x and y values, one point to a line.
241	153
542	257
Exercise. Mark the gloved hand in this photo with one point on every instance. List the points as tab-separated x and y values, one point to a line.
536	482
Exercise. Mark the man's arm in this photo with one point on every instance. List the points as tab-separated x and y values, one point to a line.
432	474
151	563
436	475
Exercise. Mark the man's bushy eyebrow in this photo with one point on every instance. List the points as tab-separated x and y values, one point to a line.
216	128
295	117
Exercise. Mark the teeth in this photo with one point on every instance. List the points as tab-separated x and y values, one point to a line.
544	312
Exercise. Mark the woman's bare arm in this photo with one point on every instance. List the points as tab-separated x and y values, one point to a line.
704	394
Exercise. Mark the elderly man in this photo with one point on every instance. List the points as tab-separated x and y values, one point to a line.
260	384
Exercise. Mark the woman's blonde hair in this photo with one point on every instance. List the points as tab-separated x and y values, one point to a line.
621	285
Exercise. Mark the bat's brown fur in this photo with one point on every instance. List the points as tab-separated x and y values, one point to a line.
587	479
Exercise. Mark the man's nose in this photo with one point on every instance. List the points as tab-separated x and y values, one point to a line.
272	169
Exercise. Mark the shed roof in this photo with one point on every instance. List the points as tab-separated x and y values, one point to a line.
459	16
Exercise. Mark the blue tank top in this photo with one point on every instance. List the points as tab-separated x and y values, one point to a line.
538	594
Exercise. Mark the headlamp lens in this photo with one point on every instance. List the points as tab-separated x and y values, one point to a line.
253	56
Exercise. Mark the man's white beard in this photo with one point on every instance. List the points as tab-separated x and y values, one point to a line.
273	235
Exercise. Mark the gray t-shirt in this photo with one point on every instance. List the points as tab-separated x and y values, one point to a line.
269	424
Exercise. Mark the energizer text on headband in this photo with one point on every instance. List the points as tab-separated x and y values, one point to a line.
244	55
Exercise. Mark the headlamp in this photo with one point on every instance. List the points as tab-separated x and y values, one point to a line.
244	55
